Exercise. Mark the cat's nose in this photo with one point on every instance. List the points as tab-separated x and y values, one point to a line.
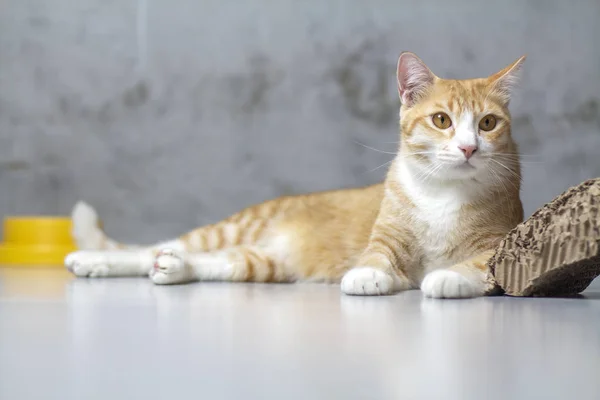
467	150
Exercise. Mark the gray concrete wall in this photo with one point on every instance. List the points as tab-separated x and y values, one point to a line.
181	115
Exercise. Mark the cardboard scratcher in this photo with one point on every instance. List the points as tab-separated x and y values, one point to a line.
556	252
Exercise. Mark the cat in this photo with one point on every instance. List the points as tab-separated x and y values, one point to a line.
449	197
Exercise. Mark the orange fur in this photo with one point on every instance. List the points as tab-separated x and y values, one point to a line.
326	232
386	228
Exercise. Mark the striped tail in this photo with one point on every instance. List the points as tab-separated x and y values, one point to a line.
247	227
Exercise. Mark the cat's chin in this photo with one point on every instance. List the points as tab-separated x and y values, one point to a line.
464	171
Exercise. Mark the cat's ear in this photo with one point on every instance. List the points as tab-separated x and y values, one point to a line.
504	82
414	78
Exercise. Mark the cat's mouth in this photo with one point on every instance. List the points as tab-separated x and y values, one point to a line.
465	165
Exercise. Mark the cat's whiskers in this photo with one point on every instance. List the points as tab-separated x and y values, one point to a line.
448	157
508	155
507	194
513	173
448	160
436	170
418	153
423	172
500	176
513	153
381	166
373	148
429	172
511	161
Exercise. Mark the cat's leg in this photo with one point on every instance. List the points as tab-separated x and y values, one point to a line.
376	272
110	263
375	276
236	264
379	270
101	256
469	278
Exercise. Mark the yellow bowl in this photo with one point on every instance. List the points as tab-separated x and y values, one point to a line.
36	241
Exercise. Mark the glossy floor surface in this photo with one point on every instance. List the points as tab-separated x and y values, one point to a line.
65	338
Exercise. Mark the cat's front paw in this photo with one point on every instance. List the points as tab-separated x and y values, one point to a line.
367	281
446	284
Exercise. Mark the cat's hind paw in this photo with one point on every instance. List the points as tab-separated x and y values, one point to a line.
446	284
169	269
87	264
367	281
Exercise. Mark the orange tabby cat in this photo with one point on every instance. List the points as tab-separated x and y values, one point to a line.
450	196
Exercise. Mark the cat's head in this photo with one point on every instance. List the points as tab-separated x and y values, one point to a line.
456	129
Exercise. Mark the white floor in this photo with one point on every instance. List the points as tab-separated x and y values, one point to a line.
64	338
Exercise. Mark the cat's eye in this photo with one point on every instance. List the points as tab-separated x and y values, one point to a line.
442	120
487	123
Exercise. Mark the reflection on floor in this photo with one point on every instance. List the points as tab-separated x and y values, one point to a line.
65	338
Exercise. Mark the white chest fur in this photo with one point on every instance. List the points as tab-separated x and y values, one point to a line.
435	218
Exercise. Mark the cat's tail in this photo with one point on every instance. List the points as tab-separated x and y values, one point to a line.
248	227
86	230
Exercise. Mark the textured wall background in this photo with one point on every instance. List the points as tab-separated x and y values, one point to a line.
168	114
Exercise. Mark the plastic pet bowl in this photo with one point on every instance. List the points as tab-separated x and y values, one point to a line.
36	241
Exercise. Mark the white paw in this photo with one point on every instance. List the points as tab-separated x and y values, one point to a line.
446	284
169	269
87	264
367	281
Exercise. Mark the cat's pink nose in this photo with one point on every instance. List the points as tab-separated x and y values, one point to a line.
468	150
